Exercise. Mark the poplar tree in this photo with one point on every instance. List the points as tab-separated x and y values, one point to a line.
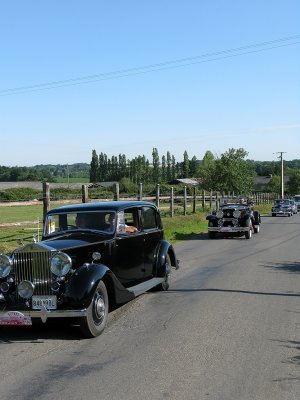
94	167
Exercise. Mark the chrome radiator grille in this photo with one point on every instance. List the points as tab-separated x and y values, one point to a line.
228	213
34	267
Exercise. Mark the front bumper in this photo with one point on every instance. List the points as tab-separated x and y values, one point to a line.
229	229
8	316
284	213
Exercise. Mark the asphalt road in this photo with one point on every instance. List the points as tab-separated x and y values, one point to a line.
227	330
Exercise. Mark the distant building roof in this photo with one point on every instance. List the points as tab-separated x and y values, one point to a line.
186	181
101	184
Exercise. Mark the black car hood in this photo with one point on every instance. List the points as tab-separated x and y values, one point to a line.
70	241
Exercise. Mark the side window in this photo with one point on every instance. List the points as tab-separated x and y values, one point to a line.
149	218
128	221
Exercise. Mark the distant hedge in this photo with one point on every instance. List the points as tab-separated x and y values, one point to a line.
56	194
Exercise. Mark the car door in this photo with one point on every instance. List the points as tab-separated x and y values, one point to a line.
153	234
129	251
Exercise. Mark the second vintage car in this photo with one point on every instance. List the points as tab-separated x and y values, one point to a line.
234	218
282	207
91	258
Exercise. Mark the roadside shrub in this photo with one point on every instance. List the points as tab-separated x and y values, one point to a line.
20	194
64	193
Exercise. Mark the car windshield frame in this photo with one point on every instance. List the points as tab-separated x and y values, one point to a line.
103	221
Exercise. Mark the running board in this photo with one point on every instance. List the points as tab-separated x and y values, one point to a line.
147	285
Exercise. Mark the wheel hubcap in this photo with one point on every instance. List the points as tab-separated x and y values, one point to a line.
99	308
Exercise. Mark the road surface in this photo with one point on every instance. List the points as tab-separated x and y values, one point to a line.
228	329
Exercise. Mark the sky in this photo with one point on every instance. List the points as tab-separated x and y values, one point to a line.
124	77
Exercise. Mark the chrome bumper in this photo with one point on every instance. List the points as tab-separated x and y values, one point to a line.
229	229
281	213
44	314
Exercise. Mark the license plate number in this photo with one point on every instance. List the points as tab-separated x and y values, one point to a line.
49	302
226	229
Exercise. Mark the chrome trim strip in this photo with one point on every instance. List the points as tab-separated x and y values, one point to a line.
228	229
49	313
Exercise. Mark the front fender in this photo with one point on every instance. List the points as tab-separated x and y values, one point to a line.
80	287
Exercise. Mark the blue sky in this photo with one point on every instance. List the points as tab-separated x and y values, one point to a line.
122	77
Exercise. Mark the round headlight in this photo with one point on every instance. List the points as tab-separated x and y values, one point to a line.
25	289
5	265
236	213
219	214
60	264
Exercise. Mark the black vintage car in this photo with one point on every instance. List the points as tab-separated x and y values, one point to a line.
283	207
234	219
91	257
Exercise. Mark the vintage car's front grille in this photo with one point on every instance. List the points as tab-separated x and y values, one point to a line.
33	267
228	213
228	223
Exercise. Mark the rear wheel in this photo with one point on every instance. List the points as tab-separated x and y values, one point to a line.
166	283
95	321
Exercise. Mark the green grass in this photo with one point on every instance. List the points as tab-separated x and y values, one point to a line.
184	227
27	221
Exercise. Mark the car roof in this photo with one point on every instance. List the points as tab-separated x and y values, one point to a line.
103	205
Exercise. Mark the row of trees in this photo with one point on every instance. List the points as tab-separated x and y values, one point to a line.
140	169
49	173
231	171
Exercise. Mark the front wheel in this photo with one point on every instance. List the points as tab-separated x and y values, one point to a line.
97	312
248	234
256	229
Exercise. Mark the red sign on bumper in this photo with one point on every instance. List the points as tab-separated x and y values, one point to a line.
15	318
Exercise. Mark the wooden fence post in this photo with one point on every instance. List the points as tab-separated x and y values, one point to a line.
46	199
194	199
116	191
184	201
140	191
157	194
217	201
172	202
203	200
85	194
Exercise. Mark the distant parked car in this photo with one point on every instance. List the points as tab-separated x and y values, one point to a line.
92	257
234	219
282	207
294	207
297	201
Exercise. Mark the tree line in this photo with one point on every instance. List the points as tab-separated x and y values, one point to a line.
139	169
231	171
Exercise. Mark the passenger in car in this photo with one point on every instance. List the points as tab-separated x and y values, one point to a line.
123	227
81	222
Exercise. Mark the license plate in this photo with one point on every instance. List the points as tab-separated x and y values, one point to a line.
49	302
226	229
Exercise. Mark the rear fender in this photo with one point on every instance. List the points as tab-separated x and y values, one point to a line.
165	249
